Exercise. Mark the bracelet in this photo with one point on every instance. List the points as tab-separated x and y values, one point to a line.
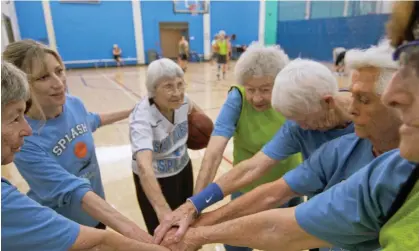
207	197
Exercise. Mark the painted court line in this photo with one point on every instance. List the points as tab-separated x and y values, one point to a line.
132	96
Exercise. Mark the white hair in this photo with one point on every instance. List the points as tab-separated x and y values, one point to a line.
159	70
300	87
14	84
260	61
379	56
222	33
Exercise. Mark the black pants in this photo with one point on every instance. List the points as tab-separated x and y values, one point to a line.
101	226
176	189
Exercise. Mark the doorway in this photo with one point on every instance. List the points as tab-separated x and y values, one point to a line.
170	35
7	24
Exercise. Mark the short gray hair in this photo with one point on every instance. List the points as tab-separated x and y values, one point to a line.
14	84
260	61
300	87
410	57
159	70
380	57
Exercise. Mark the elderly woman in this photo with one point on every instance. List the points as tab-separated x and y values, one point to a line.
21	230
59	160
159	131
306	92
247	116
401	231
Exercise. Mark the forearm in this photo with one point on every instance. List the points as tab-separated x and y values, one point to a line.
105	213
153	191
90	239
109	118
209	167
264	197
275	229
245	173
116	242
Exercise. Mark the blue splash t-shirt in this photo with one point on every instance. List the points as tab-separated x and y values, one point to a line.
351	213
26	225
59	161
331	164
291	139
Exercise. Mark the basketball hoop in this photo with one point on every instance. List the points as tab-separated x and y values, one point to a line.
193	10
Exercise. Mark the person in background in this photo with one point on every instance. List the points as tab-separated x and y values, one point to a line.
229	54
117	52
340	62
25	224
162	169
222	49
59	160
214	55
183	53
248	117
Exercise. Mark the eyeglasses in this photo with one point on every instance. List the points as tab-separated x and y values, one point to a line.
171	88
403	48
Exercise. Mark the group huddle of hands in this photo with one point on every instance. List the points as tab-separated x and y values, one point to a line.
174	232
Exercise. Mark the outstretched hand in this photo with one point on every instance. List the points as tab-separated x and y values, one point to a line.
182	217
186	244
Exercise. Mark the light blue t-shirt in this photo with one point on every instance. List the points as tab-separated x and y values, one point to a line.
226	122
291	139
26	225
59	161
351	213
329	165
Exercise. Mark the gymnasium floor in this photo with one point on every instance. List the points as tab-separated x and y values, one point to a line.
106	90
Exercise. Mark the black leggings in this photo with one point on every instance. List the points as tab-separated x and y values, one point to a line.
176	189
101	226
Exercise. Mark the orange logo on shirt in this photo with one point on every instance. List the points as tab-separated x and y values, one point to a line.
80	150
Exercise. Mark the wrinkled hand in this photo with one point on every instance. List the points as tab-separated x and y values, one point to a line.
186	244
182	217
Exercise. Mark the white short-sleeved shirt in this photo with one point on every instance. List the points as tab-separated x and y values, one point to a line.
150	130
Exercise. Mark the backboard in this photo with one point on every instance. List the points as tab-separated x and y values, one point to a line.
190	6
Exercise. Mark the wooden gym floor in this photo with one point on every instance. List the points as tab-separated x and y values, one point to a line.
114	89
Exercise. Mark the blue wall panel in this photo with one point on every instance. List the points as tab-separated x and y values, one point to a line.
236	17
316	38
30	17
154	12
291	10
88	31
320	9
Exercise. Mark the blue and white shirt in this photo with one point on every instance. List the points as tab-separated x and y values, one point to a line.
150	130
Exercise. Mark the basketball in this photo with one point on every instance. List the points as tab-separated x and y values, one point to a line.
200	127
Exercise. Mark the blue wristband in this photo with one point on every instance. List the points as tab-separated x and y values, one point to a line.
210	195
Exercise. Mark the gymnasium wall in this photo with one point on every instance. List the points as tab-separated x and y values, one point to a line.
31	21
236	17
88	31
154	12
316	31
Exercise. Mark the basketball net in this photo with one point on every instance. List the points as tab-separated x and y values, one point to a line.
193	9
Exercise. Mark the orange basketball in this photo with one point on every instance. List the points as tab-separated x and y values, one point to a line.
200	127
